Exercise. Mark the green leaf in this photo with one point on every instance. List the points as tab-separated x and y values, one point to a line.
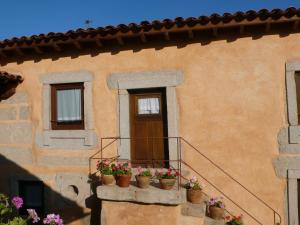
5	211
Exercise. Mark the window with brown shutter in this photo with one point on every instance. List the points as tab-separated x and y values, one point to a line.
67	108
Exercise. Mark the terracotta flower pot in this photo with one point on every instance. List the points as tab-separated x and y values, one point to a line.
123	180
216	212
142	181
194	196
108	179
167	184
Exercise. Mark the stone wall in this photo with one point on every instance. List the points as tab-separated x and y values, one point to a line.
16	129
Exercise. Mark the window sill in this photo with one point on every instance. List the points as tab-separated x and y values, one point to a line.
67	139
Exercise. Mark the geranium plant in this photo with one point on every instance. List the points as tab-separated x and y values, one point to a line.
216	202
143	172
193	184
121	168
169	174
8	214
234	220
105	167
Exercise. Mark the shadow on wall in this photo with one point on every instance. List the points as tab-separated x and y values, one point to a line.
12	180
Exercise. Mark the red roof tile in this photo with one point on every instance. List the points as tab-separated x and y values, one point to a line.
167	25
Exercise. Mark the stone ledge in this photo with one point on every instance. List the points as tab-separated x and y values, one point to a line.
151	195
195	210
210	221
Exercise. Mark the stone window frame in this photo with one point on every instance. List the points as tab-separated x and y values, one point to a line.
289	137
122	82
44	140
293	176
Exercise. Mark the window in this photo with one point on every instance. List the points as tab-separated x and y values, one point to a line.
148	106
67	111
32	193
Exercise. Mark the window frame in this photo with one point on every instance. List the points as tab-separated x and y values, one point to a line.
73	125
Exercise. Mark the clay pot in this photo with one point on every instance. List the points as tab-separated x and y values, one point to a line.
167	184
216	212
108	179
123	180
194	196
142	181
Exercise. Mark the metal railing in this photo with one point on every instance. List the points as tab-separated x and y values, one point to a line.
179	162
275	213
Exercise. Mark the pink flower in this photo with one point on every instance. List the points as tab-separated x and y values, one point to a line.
17	202
193	179
33	215
139	169
52	218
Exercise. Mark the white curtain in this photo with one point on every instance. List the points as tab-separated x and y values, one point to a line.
69	105
148	105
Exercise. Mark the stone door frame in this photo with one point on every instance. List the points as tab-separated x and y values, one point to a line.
124	81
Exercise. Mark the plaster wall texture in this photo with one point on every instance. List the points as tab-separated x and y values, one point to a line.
231	107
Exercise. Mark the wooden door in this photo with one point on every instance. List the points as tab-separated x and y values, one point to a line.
148	129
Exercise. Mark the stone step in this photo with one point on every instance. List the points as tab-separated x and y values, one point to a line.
210	221
151	195
195	210
199	210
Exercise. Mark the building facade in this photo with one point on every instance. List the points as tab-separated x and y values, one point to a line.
223	94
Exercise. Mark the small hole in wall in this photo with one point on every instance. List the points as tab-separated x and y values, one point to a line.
72	189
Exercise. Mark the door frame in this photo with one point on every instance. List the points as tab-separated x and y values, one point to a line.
169	79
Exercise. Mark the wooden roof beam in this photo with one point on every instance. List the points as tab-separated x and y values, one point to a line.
190	34
38	50
242	29
56	47
19	51
143	38
120	40
77	44
3	55
268	27
167	36
99	43
215	32
296	25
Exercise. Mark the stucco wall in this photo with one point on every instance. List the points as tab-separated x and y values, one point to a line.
231	107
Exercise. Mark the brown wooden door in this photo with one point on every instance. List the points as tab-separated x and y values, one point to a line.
148	127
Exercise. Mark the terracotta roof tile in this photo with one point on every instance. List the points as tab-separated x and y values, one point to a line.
146	27
8	77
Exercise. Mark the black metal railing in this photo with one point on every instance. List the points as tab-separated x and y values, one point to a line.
177	165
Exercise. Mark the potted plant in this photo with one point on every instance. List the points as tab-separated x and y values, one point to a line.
143	177
167	178
107	176
234	220
194	190
122	172
216	208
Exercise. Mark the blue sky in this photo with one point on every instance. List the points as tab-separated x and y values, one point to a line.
20	17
